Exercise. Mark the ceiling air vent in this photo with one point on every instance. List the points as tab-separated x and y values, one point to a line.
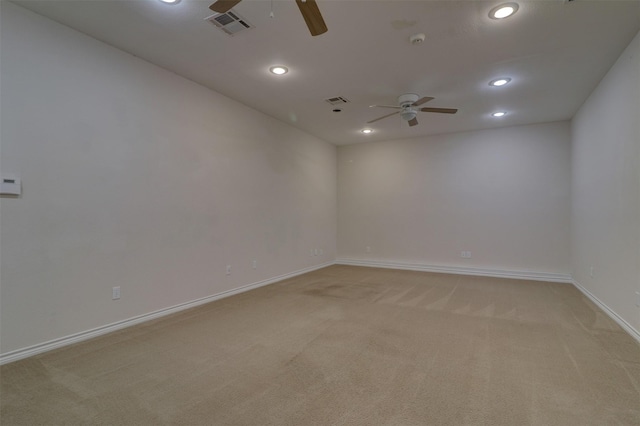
337	100
230	22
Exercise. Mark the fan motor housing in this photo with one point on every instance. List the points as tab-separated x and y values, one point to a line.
407	100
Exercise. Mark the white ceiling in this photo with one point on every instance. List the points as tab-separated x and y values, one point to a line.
555	52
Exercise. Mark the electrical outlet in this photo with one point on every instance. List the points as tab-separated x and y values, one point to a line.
228	269
368	249
591	271
115	293
638	299
254	264
465	254
321	252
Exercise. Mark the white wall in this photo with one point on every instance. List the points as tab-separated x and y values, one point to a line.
605	219
501	194
138	178
135	177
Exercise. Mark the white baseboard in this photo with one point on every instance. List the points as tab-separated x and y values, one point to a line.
621	322
95	332
525	275
497	273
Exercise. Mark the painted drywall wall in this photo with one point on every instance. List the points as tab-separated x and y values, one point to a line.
501	194
135	177
605	219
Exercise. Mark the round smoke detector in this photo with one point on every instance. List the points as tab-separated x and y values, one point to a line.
417	38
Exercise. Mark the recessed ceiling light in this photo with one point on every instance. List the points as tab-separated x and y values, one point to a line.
503	10
279	69
366	131
417	38
499	114
499	82
170	1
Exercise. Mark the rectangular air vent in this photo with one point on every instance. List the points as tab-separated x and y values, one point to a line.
337	100
231	23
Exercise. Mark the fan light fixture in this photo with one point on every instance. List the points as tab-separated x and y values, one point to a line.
279	70
499	114
366	131
503	10
408	114
170	1
499	82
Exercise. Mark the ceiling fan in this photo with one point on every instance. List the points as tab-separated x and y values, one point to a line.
408	112
308	8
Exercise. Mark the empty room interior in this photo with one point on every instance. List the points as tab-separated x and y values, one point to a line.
319	212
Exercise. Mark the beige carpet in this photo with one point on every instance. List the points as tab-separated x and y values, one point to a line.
347	346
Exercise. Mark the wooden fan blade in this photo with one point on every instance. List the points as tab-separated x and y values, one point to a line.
413	122
223	6
385	106
422	101
441	110
312	16
384	116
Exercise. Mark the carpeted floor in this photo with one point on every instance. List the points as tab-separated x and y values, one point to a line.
347	346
